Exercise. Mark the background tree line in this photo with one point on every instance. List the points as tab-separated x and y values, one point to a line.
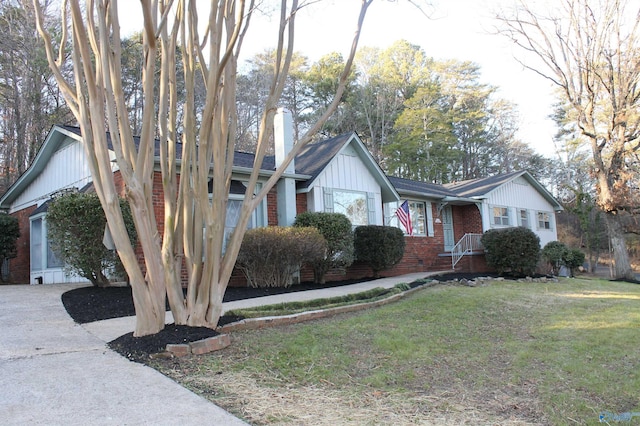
30	101
421	118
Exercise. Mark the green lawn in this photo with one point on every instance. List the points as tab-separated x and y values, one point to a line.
503	353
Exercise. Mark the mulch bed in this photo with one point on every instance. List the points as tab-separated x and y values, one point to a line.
89	304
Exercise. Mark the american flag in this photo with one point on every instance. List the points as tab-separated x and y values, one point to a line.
405	217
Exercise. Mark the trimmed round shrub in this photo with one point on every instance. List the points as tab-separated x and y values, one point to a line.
512	250
270	256
336	230
555	253
75	228
380	247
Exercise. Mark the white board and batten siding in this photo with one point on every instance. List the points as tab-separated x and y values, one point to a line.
67	168
517	195
346	172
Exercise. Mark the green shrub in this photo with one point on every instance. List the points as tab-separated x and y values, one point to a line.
75	228
336	230
9	233
512	250
270	256
402	286
555	253
574	259
381	247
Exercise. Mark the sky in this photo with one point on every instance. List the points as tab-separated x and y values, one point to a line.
453	29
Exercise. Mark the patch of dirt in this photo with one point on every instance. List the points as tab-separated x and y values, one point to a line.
262	403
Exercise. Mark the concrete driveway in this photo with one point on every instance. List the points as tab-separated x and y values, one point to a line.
54	372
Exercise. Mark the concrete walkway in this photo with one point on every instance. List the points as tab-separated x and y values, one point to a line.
56	372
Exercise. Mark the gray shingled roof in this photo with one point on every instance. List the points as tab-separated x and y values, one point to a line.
480	187
424	188
316	156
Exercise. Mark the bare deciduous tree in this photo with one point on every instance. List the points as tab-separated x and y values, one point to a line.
194	215
30	102
590	50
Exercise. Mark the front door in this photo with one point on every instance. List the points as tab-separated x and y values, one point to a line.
447	228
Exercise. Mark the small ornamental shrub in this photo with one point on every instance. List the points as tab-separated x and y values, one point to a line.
512	250
555	252
381	247
336	230
574	259
9	233
270	256
75	229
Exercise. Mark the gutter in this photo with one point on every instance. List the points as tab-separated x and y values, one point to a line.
245	171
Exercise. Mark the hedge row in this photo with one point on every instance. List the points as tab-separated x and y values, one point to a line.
269	257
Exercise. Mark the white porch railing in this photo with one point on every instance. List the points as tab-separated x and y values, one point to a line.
467	244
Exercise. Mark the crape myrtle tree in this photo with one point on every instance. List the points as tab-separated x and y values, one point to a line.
591	51
194	219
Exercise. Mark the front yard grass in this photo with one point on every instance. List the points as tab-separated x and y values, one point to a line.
503	353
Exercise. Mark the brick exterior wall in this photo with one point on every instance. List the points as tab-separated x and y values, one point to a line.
301	203
466	220
422	254
272	207
20	266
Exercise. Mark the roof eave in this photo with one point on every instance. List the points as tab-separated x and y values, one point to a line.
420	194
471	200
248	170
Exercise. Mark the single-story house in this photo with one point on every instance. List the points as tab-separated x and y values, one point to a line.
333	175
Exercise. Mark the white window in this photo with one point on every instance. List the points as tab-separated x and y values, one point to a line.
523	218
501	216
420	214
418	217
42	256
234	208
355	205
544	220
37	237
